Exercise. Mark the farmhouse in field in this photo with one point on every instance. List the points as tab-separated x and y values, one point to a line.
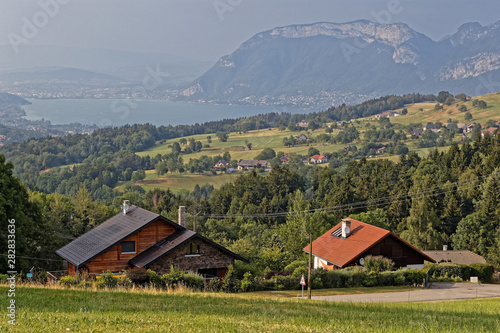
252	164
303	124
387	114
457	257
301	137
489	132
350	241
417	132
381	150
316	159
137	237
222	164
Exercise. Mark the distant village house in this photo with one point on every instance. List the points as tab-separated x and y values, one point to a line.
317	159
252	164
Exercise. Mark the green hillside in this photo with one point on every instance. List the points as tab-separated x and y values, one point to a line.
418	114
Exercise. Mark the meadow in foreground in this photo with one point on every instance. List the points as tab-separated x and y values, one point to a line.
60	310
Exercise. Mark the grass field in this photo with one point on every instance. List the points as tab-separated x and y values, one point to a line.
58	310
177	181
451	112
236	142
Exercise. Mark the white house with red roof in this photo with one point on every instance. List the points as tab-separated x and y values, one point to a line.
316	159
350	241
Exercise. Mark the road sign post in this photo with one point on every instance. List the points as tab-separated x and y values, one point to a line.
303	283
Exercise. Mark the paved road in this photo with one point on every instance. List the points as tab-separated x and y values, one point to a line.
437	292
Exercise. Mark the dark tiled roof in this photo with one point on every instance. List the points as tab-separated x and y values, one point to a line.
161	248
107	235
458	257
170	243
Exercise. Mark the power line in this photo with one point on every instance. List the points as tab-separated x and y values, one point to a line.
5	255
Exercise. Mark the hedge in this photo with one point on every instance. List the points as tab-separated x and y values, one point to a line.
454	272
483	271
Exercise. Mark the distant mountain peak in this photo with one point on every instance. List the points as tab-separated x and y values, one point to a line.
473	31
322	64
392	34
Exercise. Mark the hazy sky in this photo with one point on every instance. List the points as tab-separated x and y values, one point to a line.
208	29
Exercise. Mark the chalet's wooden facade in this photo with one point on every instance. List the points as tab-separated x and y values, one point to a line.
115	260
139	238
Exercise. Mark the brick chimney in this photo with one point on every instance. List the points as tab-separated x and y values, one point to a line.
182	216
346	228
126	206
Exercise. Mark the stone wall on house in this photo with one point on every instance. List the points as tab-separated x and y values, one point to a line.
210	257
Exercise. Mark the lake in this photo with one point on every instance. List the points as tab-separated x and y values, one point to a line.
105	112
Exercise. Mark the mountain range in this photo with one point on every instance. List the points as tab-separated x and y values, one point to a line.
323	64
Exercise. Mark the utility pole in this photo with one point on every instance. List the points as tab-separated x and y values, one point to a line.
310	267
194	221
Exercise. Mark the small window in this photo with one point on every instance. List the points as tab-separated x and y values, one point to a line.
192	249
128	247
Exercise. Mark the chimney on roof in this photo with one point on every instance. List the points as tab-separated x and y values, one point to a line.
445	247
346	228
182	216
126	206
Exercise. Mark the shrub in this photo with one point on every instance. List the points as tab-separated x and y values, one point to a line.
229	282
107	280
336	279
68	281
155	279
378	264
299	271
386	278
483	271
317	283
371	279
356	275
85	284
41	277
3	278
296	264
445	269
264	284
214	285
248	282
124	282
173	278
137	275
399	278
415	276
193	280
288	282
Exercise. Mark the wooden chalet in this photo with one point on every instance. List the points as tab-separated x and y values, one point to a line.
350	241
137	237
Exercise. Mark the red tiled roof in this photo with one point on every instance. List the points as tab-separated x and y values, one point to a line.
342	252
317	157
